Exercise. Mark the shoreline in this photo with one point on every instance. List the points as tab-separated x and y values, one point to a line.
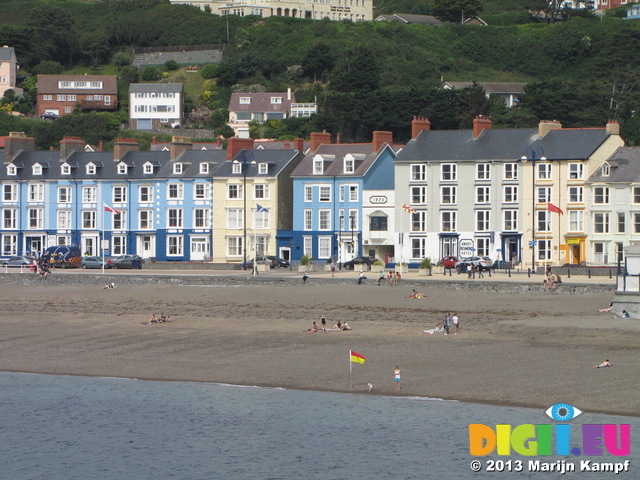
513	350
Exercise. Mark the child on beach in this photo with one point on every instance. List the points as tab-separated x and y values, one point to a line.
606	363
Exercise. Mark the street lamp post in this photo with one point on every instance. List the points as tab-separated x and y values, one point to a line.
530	153
245	155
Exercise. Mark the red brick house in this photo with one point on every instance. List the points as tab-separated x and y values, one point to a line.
59	94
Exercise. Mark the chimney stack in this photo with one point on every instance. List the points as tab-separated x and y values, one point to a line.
613	127
481	123
380	138
547	125
122	146
419	124
298	144
234	145
68	145
318	139
15	143
179	145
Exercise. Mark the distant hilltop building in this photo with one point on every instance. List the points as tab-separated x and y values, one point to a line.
354	10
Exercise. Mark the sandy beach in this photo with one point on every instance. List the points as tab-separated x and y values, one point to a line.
526	350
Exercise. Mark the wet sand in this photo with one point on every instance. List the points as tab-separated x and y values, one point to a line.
527	350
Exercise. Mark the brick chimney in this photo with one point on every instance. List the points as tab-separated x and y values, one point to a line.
613	127
122	146
68	145
481	123
318	139
100	146
298	144
380	138
15	143
179	145
234	145
419	124
219	141
547	125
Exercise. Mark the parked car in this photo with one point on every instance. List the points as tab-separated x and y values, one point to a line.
49	116
280	262
126	261
449	262
483	263
17	261
261	260
368	261
94	262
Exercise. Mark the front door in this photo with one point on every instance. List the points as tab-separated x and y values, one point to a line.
146	246
89	246
199	248
34	245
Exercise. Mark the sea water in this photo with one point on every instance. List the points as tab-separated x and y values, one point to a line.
63	427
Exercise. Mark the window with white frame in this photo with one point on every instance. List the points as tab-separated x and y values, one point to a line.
202	191
378	223
341	220
261	191
36	192
598	252
120	221
510	171
147	168
342	190
324	219
543	171
349	164
201	218
419	221
543	221
36	169
119	244
601	222
324	247
543	194
448	172
483	171
236	167
261	219
175	245
353	219
204	168
636	223
544	250
65	169
483	195
89	219
234	191
621	222
636	195
510	220
119	194
12	170
606	170
9	244
576	194
601	195
448	196
64	194
318	166
235	218
145	219
89	194
9	218
308	193
419	195
308	219
145	193
576	220
510	194
174	218
307	246
245	100
482	247
325	193
177	168
263	168
482	220
418	248
122	168
90	169
9	192
419	172
47	97
276	100
176	191
63	220
353	193
576	171
449	221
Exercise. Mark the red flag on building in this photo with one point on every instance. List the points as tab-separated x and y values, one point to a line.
552	208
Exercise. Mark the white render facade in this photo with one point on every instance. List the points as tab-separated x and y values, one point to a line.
155	104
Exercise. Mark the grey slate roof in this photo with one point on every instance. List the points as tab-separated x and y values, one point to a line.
49	84
276	159
624	167
156	87
191	161
6	54
334	164
261	102
502	144
410	18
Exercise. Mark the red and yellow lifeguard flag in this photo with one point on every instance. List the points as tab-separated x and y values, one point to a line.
356	357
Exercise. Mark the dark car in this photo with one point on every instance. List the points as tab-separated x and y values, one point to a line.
94	262
449	262
17	261
126	261
279	262
49	116
350	265
271	260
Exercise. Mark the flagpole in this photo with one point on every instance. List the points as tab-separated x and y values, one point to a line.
350	372
102	239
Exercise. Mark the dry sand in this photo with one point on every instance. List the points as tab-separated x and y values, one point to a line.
528	350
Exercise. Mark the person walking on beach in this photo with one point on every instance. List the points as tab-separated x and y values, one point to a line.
323	321
396	376
446	323
456	323
333	268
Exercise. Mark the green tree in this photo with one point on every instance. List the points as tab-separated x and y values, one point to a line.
456	10
48	67
171	65
151	73
357	71
318	59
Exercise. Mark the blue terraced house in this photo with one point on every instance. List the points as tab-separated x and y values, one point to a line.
344	198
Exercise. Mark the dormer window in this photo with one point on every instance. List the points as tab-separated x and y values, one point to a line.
36	169
65	169
204	168
236	168
318	165
349	164
263	168
606	170
12	170
90	169
122	169
147	168
276	100
245	100
177	168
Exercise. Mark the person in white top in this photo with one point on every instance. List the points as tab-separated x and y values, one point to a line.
456	324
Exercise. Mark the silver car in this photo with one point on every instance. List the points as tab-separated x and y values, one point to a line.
17	261
483	263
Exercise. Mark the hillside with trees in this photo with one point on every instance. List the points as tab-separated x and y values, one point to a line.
365	76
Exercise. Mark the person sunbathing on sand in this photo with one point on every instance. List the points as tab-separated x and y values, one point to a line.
606	363
608	309
314	327
345	326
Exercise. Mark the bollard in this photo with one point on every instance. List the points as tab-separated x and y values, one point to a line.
450	272
588	273
529	272
568	273
609	273
444	271
509	271
489	273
